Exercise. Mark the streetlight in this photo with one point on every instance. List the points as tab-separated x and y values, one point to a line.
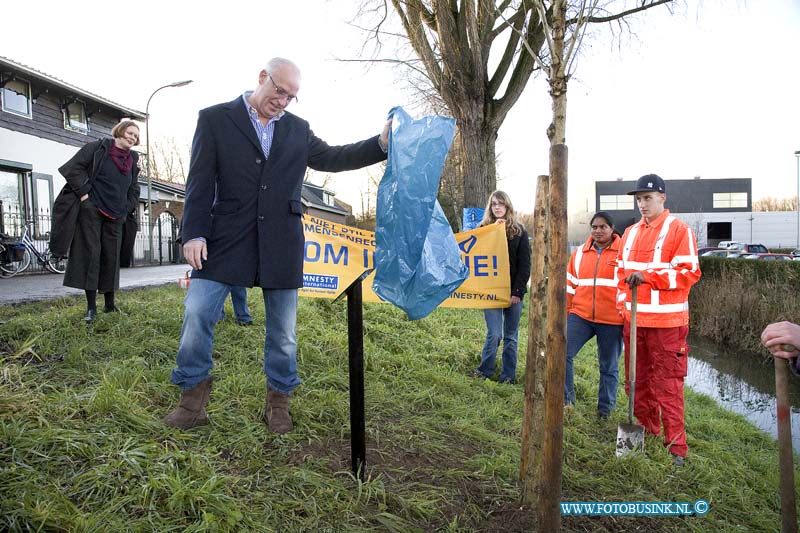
797	203
149	174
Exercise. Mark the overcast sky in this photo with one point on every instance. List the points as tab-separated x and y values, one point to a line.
709	91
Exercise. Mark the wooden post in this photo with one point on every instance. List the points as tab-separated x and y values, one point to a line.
785	459
533	415
548	510
355	338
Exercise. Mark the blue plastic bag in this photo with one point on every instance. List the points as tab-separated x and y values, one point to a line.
417	260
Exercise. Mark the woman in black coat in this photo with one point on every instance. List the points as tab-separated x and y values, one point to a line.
503	324
103	175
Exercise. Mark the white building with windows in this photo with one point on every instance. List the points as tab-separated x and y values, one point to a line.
717	210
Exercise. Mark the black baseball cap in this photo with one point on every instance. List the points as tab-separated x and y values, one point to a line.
649	183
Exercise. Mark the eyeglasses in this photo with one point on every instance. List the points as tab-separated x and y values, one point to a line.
282	93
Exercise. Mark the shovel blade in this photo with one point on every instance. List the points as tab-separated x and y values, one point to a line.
630	437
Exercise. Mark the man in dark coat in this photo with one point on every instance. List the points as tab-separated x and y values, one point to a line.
242	227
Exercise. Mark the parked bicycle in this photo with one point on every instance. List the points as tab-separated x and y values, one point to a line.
16	254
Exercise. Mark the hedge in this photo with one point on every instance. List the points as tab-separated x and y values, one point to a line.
736	298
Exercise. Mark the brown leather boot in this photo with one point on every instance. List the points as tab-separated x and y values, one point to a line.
191	410
276	412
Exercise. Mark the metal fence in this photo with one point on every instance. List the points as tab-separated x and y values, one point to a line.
164	229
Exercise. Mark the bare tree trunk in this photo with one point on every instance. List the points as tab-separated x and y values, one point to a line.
535	366
548	510
451	184
478	165
558	128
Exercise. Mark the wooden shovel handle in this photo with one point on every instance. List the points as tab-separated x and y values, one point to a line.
632	356
785	459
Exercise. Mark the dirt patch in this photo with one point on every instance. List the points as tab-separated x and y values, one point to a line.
28	357
470	499
477	504
5	348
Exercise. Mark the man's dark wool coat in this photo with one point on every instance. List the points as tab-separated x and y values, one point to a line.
247	206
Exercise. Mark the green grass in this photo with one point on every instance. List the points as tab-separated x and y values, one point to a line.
82	447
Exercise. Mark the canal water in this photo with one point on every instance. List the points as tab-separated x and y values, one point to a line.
742	383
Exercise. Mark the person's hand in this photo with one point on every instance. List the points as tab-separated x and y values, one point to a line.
634	280
384	138
195	252
500	221
515	300
782	339
84	197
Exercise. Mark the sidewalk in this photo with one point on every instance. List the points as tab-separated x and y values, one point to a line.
32	287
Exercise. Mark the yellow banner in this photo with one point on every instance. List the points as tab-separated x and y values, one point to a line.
335	255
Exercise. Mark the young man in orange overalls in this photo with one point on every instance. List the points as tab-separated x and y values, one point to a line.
658	256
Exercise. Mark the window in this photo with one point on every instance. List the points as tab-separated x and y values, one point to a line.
42	202
327	198
725	200
10	202
616	202
16	97
143	216
75	117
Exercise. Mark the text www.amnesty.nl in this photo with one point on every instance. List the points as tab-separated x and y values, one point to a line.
700	507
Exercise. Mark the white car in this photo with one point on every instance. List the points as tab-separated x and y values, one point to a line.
715	253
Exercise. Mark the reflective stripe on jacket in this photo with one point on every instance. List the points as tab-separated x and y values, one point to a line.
665	252
592	283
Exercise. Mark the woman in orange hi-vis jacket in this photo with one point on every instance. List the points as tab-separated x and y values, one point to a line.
591	304
659	256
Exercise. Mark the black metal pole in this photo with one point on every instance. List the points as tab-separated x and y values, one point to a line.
355	336
160	243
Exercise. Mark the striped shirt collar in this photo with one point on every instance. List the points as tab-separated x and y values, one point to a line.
252	110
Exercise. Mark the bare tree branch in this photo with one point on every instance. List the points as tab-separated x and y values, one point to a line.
645	6
532	40
518	17
409	64
578	32
413	26
510	51
545	22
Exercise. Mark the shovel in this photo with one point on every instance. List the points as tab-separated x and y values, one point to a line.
630	436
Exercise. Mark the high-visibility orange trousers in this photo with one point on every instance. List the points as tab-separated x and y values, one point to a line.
661	365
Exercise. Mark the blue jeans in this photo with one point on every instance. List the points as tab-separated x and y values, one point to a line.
239	301
501	324
202	307
609	346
